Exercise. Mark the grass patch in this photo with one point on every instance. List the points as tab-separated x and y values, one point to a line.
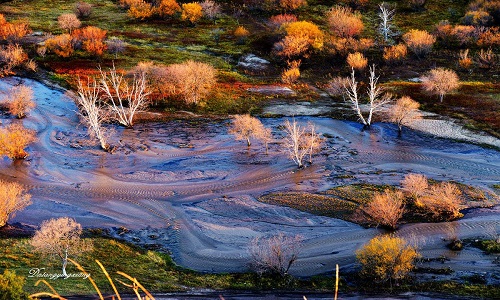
457	289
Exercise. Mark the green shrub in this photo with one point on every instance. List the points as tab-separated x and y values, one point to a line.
11	286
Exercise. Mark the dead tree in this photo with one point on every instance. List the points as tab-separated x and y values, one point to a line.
92	112
376	96
124	98
386	25
274	255
301	141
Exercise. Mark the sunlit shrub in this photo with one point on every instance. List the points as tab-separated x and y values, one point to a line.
14	139
191	12
419	42
343	22
396	53
61	45
357	61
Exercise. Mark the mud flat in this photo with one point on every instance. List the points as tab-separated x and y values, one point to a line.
195	189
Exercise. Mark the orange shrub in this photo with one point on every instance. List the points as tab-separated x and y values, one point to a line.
343	22
13	31
61	45
464	60
191	12
345	45
14	139
419	42
292	4
490	38
140	10
357	61
279	20
241	33
395	53
92	39
168	8
292	74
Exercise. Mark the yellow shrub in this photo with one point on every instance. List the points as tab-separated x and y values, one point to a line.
357	61
419	41
140	10
191	12
387	258
395	53
14	139
61	45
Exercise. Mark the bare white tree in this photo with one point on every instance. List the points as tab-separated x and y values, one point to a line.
386	26
313	141
351	95
301	141
376	95
60	237
275	254
125	98
92	112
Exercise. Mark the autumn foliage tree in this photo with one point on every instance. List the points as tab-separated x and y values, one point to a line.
20	100
385	210
440	82
387	259
301	37
246	127
92	39
60	237
396	53
14	139
12	56
68	22
343	22
167	8
404	112
191	12
419	42
192	81
140	9
13	197
13	31
357	61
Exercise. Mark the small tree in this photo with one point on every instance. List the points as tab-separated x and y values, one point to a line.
60	237
274	255
68	22
440	82
385	209
387	259
191	12
404	112
116	46
14	139
191	80
343	22
93	114
246	127
419	42
386	26
300	141
125	98
20	100
376	96
301	37
415	184
13	197
357	61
